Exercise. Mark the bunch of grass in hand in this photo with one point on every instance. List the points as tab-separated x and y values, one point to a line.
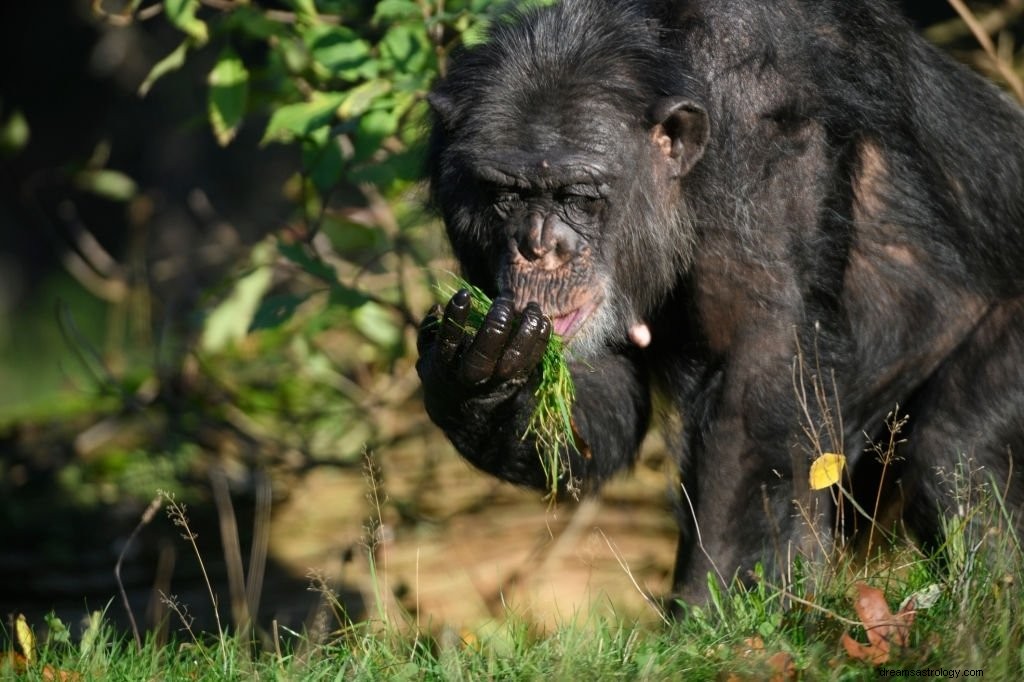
550	425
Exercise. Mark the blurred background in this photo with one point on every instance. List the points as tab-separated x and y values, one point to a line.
214	250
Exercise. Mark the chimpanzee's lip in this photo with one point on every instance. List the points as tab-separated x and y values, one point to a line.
567	324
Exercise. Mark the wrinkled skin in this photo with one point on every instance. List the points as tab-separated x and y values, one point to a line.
730	202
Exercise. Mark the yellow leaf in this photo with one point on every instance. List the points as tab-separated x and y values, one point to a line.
24	640
827	470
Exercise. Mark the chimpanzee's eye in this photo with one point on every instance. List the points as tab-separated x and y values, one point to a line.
578	205
505	201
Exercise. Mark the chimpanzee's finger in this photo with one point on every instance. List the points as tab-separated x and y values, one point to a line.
524	350
482	355
543	336
428	329
453	327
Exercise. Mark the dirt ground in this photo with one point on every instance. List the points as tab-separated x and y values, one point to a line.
453	548
457	549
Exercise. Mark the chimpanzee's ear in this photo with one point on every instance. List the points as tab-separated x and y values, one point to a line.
680	130
444	107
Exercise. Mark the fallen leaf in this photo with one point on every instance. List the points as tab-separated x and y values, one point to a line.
17	662
24	640
782	666
827	470
779	666
865	652
23	657
925	598
50	673
884	628
752	645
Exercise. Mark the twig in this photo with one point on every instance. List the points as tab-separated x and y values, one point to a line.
828	612
700	540
147	516
895	424
994	21
232	549
179	518
260	543
625	567
1005	70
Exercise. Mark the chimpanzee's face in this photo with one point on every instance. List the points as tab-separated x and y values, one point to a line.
564	198
551	196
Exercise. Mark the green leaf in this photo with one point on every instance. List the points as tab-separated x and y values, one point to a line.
396	10
353	240
313	266
416	115
294	54
306	9
110	184
377	324
481	6
92	635
323	159
360	98
58	631
274	311
172	62
341	52
227	96
347	297
252	23
403	166
407	48
182	13
14	134
302	118
229	322
374	127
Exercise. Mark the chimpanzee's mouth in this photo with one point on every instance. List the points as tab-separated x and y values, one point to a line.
567	324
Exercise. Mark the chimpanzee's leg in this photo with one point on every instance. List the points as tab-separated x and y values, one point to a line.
967	426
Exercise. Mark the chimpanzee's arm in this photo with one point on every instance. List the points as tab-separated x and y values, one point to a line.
480	391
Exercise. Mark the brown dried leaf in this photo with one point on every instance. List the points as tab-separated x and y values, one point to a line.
54	674
884	629
780	664
865	652
752	645
16	661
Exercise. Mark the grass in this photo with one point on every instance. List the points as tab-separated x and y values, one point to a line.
551	424
969	596
974	625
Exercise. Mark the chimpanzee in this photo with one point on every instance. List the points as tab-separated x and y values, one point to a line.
729	202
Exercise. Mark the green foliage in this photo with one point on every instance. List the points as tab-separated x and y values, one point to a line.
344	83
297	336
14	132
331	74
228	95
182	13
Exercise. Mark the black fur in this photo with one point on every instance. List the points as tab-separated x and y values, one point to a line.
752	181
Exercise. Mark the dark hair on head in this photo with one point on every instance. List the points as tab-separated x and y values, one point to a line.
574	50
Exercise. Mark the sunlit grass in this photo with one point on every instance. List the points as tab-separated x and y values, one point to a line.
967	597
974	624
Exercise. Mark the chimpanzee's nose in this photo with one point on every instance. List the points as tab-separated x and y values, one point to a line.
547	241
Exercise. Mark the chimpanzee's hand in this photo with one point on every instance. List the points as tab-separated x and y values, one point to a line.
501	353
